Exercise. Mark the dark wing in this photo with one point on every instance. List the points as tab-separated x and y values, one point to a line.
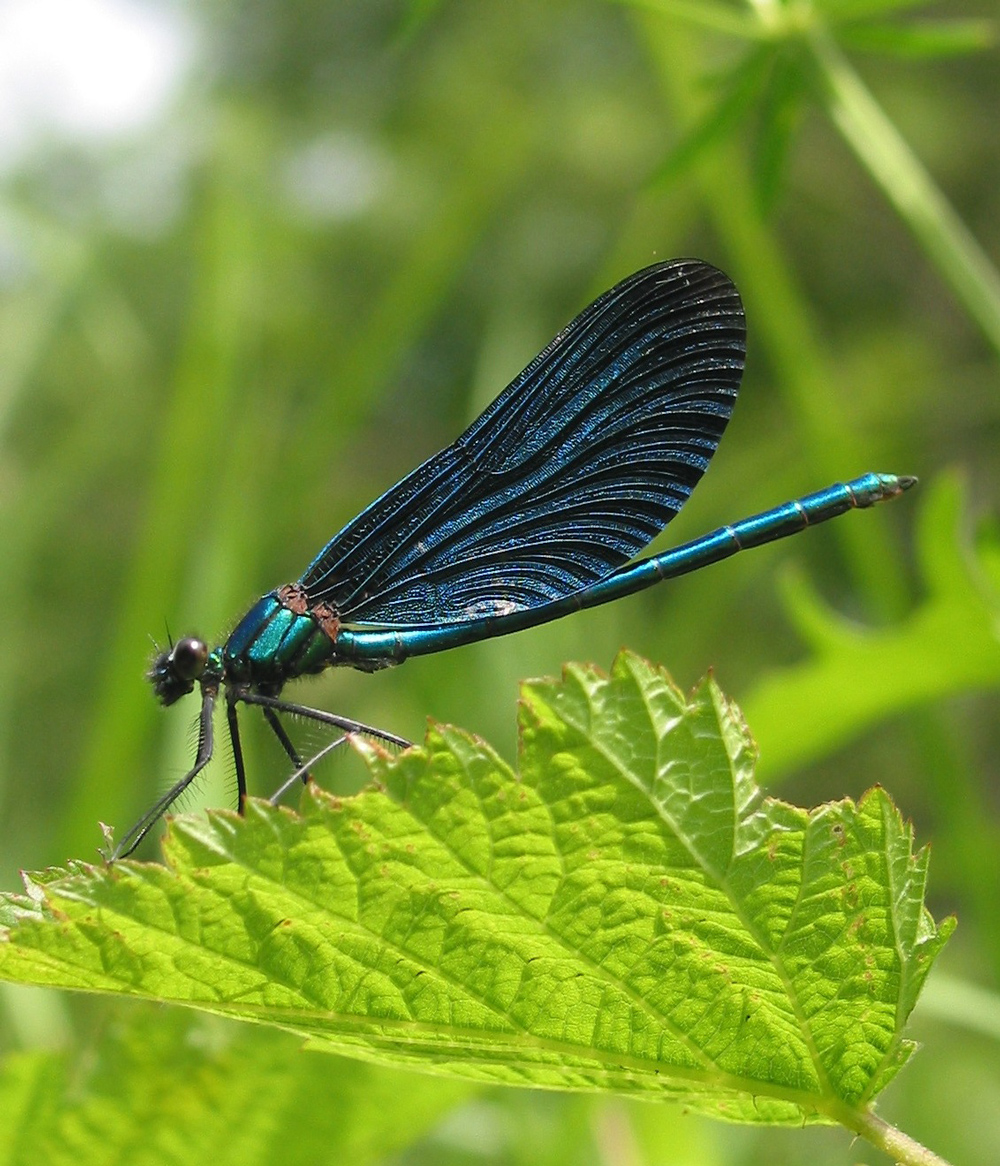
572	470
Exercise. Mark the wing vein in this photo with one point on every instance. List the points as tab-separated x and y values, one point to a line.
567	475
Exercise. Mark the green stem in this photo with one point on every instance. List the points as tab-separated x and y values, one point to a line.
910	189
900	1147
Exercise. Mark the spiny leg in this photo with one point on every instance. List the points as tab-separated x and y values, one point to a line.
286	742
271	706
293	754
302	773
324	718
234	737
149	819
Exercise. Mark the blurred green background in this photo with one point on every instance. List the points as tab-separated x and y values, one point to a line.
227	328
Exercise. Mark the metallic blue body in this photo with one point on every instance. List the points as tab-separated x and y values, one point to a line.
272	644
537	510
356	643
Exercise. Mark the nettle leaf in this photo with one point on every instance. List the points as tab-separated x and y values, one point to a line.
627	913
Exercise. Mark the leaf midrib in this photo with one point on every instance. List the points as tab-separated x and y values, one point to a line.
721	880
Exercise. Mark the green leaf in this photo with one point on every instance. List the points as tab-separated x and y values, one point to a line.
732	108
626	913
417	16
163	1087
856	676
723	18
839	10
942	38
781	112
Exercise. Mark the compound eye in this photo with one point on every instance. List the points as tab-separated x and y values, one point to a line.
188	657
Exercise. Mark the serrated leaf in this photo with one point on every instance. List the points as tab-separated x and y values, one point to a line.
627	912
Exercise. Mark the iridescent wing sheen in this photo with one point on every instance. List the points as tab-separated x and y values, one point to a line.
572	470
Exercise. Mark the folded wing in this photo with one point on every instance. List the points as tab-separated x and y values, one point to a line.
571	471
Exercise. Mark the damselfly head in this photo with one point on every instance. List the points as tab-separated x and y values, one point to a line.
173	674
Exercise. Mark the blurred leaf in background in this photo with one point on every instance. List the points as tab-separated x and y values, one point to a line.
257	259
